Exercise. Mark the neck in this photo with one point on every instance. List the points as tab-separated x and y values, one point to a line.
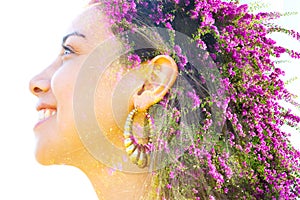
110	184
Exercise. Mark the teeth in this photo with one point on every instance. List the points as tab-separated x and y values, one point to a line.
45	113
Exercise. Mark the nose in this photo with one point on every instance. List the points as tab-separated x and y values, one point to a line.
39	85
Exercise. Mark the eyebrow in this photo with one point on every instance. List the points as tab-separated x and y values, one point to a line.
72	34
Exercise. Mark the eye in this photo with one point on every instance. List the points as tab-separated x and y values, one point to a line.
66	50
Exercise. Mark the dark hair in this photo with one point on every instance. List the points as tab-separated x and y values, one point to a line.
214	140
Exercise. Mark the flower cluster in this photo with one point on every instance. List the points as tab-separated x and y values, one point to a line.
120	11
251	157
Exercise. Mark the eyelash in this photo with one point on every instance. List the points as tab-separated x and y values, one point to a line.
66	49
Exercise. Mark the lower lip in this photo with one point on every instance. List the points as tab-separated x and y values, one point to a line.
42	121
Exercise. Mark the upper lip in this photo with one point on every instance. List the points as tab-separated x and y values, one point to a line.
42	106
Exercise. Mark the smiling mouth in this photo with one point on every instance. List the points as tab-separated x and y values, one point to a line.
45	114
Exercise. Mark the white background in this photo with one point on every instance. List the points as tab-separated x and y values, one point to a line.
30	37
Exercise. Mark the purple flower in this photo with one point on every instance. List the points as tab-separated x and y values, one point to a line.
251	86
195	98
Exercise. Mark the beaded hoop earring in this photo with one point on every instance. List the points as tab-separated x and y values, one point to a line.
139	154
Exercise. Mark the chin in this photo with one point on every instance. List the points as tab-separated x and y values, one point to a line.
56	153
44	156
57	145
43	160
47	155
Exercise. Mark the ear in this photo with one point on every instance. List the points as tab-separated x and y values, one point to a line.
162	74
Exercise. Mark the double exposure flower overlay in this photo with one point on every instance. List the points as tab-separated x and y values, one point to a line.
227	124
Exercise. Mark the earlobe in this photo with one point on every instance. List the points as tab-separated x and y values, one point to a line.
160	79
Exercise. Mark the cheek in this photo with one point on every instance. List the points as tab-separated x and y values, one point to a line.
64	136
62	84
63	81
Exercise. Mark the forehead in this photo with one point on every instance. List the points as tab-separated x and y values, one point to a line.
92	23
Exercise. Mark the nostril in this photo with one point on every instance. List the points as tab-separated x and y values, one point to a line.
37	90
39	85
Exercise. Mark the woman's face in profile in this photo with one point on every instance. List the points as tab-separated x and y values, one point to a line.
55	131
